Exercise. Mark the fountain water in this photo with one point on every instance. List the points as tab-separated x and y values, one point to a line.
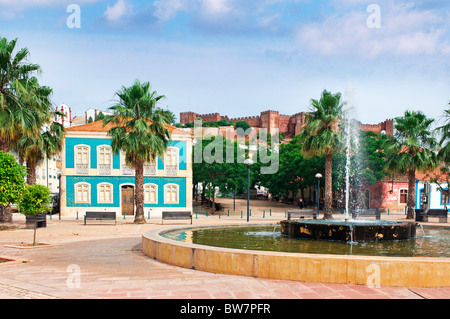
350	230
347	177
353	156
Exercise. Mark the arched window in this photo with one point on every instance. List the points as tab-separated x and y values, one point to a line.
105	193
403	196
82	159
82	193
171	194
150	194
171	161
126	170
104	159
151	168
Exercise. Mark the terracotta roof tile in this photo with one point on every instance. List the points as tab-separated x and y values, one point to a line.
98	127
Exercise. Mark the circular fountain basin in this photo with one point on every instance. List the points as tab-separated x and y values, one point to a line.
349	230
316	267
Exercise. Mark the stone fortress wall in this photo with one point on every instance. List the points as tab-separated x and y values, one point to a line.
290	125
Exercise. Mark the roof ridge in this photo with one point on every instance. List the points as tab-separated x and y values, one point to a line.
97	126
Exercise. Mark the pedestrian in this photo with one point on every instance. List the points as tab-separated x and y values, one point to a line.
301	204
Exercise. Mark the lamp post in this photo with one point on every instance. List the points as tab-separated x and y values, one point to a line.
318	176
248	162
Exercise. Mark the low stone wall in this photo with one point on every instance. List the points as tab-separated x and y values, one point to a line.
341	269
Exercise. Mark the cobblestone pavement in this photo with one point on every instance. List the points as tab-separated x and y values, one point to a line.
106	261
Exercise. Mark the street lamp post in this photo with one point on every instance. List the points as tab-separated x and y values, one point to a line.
318	176
248	162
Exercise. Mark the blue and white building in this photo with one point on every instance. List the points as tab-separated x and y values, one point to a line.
439	195
96	179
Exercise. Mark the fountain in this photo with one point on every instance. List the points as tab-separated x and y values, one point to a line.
264	252
349	229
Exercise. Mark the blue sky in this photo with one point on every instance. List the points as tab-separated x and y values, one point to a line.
241	57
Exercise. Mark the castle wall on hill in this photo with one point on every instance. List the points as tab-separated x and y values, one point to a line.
271	120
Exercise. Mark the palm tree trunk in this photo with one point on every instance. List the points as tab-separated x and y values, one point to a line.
5	214
411	201
213	210
31	169
139	193
34	233
4	145
328	214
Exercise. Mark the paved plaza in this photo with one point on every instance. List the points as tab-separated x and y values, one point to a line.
103	260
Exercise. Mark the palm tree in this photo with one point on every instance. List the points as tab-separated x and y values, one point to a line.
35	147
140	130
15	117
321	136
444	143
45	140
410	150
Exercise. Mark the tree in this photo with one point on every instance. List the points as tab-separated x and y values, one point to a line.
374	157
321	136
100	116
211	168
14	117
15	70
36	200
412	149
170	115
242	125
295	172
234	176
46	138
444	143
141	131
12	184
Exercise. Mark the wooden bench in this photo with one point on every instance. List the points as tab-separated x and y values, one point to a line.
301	214
100	216
176	216
366	212
442	214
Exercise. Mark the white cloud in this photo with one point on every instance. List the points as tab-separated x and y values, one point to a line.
117	11
168	9
13	8
216	7
405	31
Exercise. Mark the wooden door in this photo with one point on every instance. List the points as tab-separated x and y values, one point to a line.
128	200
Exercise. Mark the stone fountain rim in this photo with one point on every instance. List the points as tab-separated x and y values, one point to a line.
320	267
160	232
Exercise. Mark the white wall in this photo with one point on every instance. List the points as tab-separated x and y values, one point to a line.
435	195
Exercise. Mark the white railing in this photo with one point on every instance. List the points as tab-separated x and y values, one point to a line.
171	170
149	170
127	170
104	169
82	168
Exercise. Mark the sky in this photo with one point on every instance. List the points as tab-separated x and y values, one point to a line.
240	57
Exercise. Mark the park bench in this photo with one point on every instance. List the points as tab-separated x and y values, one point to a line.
366	213
301	214
422	216
100	216
176	216
41	221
